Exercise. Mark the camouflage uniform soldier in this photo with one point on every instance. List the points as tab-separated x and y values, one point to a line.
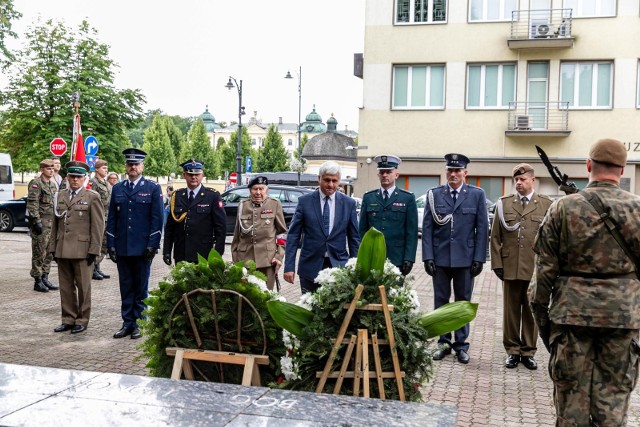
591	325
40	210
103	188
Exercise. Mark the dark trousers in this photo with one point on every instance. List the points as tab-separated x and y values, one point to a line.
462	290
308	285
133	272
75	290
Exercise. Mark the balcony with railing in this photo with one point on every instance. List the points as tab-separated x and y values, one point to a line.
538	119
543	28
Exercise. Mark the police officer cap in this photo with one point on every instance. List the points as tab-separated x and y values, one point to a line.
258	180
387	161
134	155
100	163
76	168
456	161
610	151
192	166
521	169
46	163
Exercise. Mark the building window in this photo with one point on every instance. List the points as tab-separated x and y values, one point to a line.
491	86
586	84
253	141
420	11
491	10
591	8
418	87
290	141
638	88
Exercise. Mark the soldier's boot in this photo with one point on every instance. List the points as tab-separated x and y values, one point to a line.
96	275
100	272
47	283
38	286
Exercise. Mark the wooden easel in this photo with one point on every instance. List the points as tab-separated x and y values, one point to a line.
184	356
361	342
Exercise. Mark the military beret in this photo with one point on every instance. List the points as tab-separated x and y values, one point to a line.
100	163
134	155
456	161
192	166
610	151
76	168
46	163
387	161
259	180
521	169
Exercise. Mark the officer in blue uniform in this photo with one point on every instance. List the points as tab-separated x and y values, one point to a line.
134	228
196	219
393	212
454	244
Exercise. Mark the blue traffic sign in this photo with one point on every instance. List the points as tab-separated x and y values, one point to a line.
91	161
91	145
249	164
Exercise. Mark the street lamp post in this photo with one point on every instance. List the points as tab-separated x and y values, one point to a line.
230	86
288	76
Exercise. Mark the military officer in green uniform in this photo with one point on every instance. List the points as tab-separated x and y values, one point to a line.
392	211
515	225
100	185
40	209
585	294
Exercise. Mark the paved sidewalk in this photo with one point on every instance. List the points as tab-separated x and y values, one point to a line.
485	392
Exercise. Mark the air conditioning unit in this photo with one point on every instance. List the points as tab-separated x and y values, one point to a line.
523	122
544	30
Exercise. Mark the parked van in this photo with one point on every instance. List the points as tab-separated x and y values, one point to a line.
7	187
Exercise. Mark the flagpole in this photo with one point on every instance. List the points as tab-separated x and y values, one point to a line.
76	107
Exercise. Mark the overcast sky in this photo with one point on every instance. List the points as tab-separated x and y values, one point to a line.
180	53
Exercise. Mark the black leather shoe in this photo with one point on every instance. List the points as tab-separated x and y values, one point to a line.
441	353
123	332
136	334
96	275
100	272
78	328
38	286
512	361
462	356
47	283
529	362
63	328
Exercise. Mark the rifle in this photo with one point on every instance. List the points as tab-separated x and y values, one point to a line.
560	178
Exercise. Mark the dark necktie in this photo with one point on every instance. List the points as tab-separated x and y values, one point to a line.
326	219
524	201
191	196
454	194
385	195
131	185
72	195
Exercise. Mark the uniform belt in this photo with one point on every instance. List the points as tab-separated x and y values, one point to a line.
604	276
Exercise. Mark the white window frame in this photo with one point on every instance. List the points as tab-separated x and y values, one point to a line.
482	86
485	5
577	12
412	13
638	87
427	86
594	85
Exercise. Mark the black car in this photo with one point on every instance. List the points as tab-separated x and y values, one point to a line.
287	195
13	214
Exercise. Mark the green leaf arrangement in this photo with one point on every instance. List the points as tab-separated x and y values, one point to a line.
448	317
164	327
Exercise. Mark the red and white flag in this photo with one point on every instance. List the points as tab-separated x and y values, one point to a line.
77	150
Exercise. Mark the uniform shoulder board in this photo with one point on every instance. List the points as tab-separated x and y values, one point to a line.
93	191
402	190
371	191
211	190
507	196
544	196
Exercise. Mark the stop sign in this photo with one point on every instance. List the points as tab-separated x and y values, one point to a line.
233	177
58	147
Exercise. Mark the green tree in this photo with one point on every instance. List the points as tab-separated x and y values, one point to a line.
227	153
200	148
55	63
160	160
7	14
272	157
176	138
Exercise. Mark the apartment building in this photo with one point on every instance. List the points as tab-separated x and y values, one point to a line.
494	78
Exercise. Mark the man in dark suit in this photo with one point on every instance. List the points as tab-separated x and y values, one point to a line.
134	228
196	219
454	244
393	212
327	222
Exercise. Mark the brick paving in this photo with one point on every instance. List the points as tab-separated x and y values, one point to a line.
484	391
